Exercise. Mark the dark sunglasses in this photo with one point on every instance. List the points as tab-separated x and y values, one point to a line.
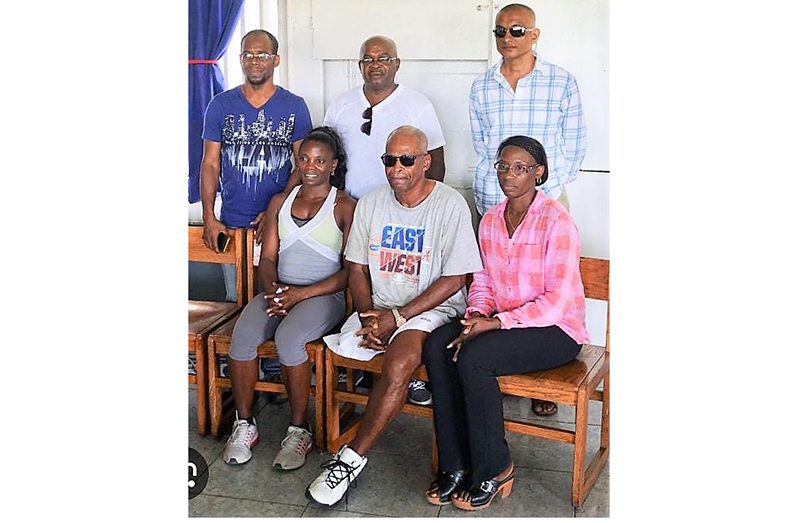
389	160
516	31
366	127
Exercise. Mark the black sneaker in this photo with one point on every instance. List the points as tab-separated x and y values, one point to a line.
273	397
357	376
418	393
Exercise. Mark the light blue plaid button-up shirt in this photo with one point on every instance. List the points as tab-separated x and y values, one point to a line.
546	106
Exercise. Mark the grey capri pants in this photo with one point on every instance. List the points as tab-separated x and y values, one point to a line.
308	320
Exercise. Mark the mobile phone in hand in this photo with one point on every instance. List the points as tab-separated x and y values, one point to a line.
222	241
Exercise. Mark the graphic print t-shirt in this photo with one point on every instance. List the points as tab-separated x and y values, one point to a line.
256	148
408	249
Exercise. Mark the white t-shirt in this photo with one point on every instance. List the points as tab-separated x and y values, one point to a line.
404	106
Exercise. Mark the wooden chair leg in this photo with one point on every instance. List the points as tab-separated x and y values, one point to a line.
319	391
605	413
214	391
202	386
580	447
331	410
599	459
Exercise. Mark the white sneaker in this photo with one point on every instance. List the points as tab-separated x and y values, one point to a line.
295	448
330	487
244	437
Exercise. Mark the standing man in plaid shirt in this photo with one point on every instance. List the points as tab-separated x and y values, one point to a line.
525	95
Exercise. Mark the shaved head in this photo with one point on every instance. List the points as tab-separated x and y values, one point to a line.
517	7
409	130
384	41
261	32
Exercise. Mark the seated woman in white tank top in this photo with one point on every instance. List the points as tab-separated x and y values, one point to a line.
303	272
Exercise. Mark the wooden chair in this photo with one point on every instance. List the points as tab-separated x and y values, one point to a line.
574	384
340	403
219	343
204	316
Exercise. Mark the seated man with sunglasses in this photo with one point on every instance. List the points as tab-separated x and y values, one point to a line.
525	95
410	246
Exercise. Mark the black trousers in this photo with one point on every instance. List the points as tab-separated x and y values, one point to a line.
467	407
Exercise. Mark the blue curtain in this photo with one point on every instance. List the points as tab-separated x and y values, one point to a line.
210	28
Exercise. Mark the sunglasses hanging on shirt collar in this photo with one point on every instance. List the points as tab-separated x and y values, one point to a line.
366	127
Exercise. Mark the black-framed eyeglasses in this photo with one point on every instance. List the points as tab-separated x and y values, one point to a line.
250	57
517	168
516	31
382	60
366	127
389	160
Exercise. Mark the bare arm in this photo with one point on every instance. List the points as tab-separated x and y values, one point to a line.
209	183
437	168
381	323
360	286
296	177
360	289
267	266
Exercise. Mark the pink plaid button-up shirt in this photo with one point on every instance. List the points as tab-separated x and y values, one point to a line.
533	278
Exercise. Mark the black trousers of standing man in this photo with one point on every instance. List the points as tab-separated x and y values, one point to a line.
467	409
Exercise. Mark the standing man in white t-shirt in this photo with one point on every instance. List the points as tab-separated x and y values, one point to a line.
366	115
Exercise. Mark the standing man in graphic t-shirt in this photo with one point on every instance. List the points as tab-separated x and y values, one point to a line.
410	247
250	133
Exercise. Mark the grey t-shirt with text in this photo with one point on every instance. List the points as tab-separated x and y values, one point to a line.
408	249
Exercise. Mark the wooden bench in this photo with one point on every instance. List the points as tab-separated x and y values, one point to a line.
573	384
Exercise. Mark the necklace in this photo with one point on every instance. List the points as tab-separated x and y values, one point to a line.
511	227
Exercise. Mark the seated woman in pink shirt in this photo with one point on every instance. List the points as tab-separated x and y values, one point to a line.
526	312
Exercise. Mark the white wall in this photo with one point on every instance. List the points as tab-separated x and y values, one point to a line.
574	34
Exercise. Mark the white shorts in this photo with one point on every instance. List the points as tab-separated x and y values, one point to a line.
346	343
